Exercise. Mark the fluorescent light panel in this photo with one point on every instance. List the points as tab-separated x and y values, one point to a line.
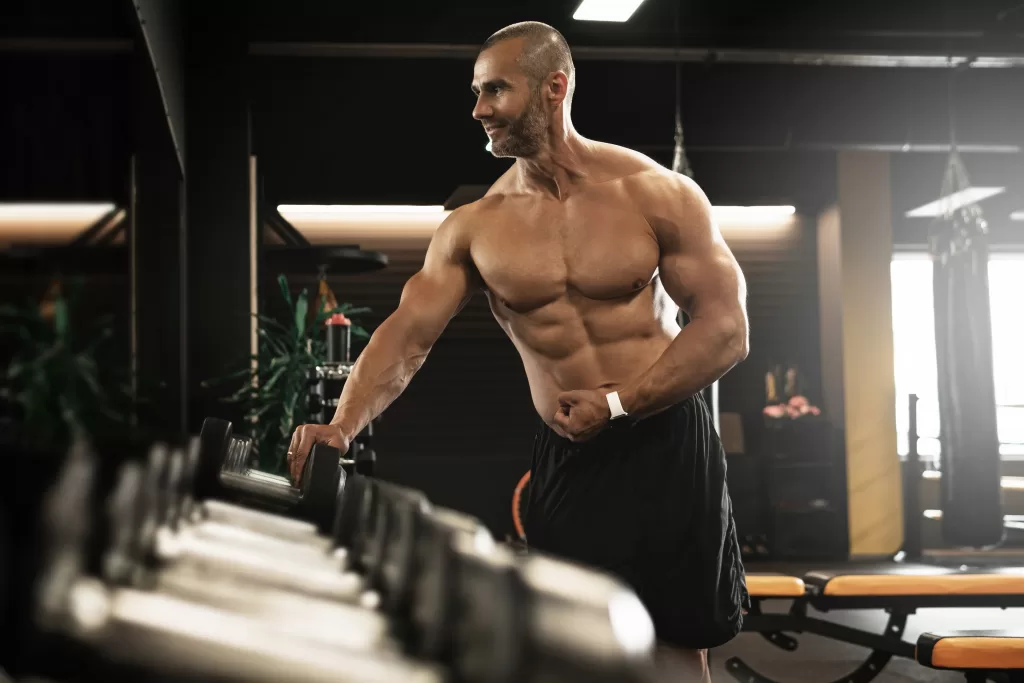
606	10
1017	216
360	210
50	222
341	212
952	202
756	213
87	214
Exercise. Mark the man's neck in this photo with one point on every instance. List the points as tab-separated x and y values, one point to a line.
558	165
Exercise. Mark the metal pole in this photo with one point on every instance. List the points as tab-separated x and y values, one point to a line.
642	54
912	512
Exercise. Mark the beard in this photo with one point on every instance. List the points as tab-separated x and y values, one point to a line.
524	135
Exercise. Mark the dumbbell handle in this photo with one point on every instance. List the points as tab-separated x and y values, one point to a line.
274	479
262	486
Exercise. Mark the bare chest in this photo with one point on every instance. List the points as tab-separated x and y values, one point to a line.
535	255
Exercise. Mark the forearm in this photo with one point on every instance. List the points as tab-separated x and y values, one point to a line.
381	373
700	354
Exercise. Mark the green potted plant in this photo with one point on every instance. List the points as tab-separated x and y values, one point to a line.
274	393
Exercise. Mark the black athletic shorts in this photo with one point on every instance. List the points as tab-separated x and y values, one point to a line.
648	502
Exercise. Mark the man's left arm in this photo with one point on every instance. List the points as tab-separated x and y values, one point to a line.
700	274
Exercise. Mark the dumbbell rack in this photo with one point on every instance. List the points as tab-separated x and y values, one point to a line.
142	578
326	383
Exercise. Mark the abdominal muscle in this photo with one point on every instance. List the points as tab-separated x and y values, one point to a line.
595	346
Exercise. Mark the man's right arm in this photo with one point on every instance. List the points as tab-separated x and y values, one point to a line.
399	346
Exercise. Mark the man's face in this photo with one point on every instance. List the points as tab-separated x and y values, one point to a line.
508	105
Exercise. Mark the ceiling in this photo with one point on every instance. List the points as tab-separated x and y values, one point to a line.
359	129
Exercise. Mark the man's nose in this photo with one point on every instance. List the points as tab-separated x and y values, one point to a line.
482	110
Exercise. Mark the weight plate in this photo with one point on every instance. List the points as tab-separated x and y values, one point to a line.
346	519
151	503
188	478
175	472
320	486
213	445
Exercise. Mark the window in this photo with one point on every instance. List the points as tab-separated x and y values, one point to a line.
1006	283
913	318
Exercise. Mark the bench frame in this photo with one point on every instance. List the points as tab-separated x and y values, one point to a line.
884	646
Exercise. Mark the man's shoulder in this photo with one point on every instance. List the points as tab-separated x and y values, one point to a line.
639	173
624	162
669	201
463	221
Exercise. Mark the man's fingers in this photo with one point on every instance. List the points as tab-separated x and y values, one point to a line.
568	398
298	452
562	421
304	438
293	451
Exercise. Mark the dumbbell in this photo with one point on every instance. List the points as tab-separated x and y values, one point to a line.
223	472
237	573
142	545
183	509
460	579
384	515
495	615
238	451
97	631
218	521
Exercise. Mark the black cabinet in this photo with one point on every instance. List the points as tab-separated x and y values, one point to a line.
806	480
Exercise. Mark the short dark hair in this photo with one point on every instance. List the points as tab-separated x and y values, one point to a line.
545	50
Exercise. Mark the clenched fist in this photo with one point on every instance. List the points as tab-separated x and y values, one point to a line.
303	440
581	414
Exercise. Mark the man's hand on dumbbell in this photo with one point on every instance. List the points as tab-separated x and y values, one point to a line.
303	440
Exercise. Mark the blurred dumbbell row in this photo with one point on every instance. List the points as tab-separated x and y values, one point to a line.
141	572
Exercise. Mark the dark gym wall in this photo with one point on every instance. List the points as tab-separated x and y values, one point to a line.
782	294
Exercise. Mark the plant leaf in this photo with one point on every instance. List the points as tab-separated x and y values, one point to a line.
282	282
301	309
276	345
267	320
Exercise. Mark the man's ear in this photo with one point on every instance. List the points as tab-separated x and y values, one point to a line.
558	88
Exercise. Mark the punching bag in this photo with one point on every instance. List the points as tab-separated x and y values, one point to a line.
970	486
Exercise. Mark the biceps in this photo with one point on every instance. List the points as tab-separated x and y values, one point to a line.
709	284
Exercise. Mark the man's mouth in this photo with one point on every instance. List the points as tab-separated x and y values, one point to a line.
491	130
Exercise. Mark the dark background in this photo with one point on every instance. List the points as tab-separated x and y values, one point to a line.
768	98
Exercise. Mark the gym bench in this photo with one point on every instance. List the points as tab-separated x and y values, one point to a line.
979	655
898	589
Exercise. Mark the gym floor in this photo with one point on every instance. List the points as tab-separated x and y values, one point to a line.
820	660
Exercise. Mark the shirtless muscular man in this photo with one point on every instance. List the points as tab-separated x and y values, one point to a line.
586	252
